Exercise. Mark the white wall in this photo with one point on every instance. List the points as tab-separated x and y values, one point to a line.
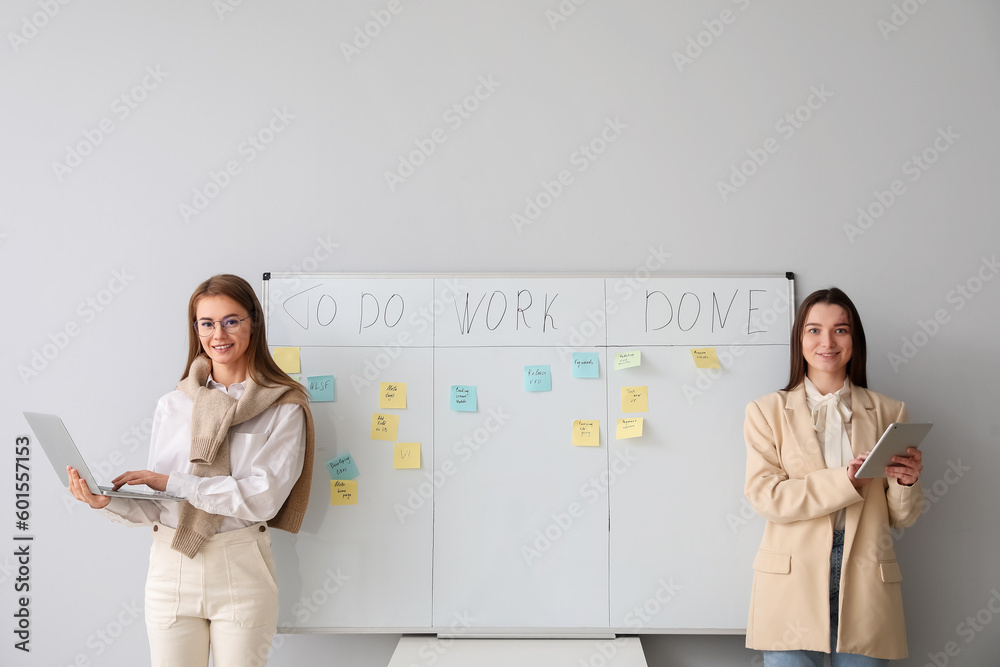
111	229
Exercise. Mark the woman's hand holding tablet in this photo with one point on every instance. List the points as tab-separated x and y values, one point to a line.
898	448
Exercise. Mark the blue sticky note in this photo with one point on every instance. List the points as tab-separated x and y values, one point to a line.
537	378
321	388
463	398
586	365
342	467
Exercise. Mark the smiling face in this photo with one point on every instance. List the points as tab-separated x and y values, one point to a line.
228	351
827	345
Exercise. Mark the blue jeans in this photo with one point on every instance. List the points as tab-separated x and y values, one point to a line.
815	658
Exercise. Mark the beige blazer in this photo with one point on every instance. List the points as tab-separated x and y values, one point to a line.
789	484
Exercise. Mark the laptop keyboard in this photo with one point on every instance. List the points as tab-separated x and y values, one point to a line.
138	492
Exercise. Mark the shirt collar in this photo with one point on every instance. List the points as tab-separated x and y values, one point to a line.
814	395
235	390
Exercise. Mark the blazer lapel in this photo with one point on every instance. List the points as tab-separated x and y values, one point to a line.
863	421
799	419
863	435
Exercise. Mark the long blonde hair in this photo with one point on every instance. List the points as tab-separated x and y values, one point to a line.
260	365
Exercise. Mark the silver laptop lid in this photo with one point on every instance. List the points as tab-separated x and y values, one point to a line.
60	448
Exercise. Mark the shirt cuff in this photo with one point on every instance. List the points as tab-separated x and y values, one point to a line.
182	484
124	511
118	507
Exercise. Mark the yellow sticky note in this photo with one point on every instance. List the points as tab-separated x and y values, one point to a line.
627	359
287	359
406	455
629	428
635	399
587	433
384	426
392	395
705	357
343	492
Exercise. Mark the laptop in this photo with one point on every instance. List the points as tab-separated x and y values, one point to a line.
62	451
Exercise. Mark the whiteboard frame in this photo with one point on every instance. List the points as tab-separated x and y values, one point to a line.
520	632
787	275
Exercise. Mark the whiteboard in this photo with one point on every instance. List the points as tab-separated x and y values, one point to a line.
507	525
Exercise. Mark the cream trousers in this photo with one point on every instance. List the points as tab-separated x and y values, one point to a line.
225	598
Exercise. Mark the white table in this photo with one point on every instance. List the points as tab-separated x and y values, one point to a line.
417	651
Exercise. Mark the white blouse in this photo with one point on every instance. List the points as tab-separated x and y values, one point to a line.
831	417
266	455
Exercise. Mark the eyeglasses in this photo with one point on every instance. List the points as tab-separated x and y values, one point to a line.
229	324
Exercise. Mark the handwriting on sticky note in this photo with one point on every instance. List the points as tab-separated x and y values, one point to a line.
635	399
287	359
587	433
343	492
537	378
406	455
321	388
706	357
342	467
464	398
384	426
392	395
586	365
629	428
628	359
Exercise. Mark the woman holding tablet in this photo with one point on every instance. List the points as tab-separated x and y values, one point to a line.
235	440
826	578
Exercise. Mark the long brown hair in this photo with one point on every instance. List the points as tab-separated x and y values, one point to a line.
260	366
856	367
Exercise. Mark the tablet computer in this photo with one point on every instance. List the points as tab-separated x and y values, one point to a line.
894	442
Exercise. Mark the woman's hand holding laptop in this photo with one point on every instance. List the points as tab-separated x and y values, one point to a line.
81	491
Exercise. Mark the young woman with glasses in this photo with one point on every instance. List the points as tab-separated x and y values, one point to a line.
235	442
